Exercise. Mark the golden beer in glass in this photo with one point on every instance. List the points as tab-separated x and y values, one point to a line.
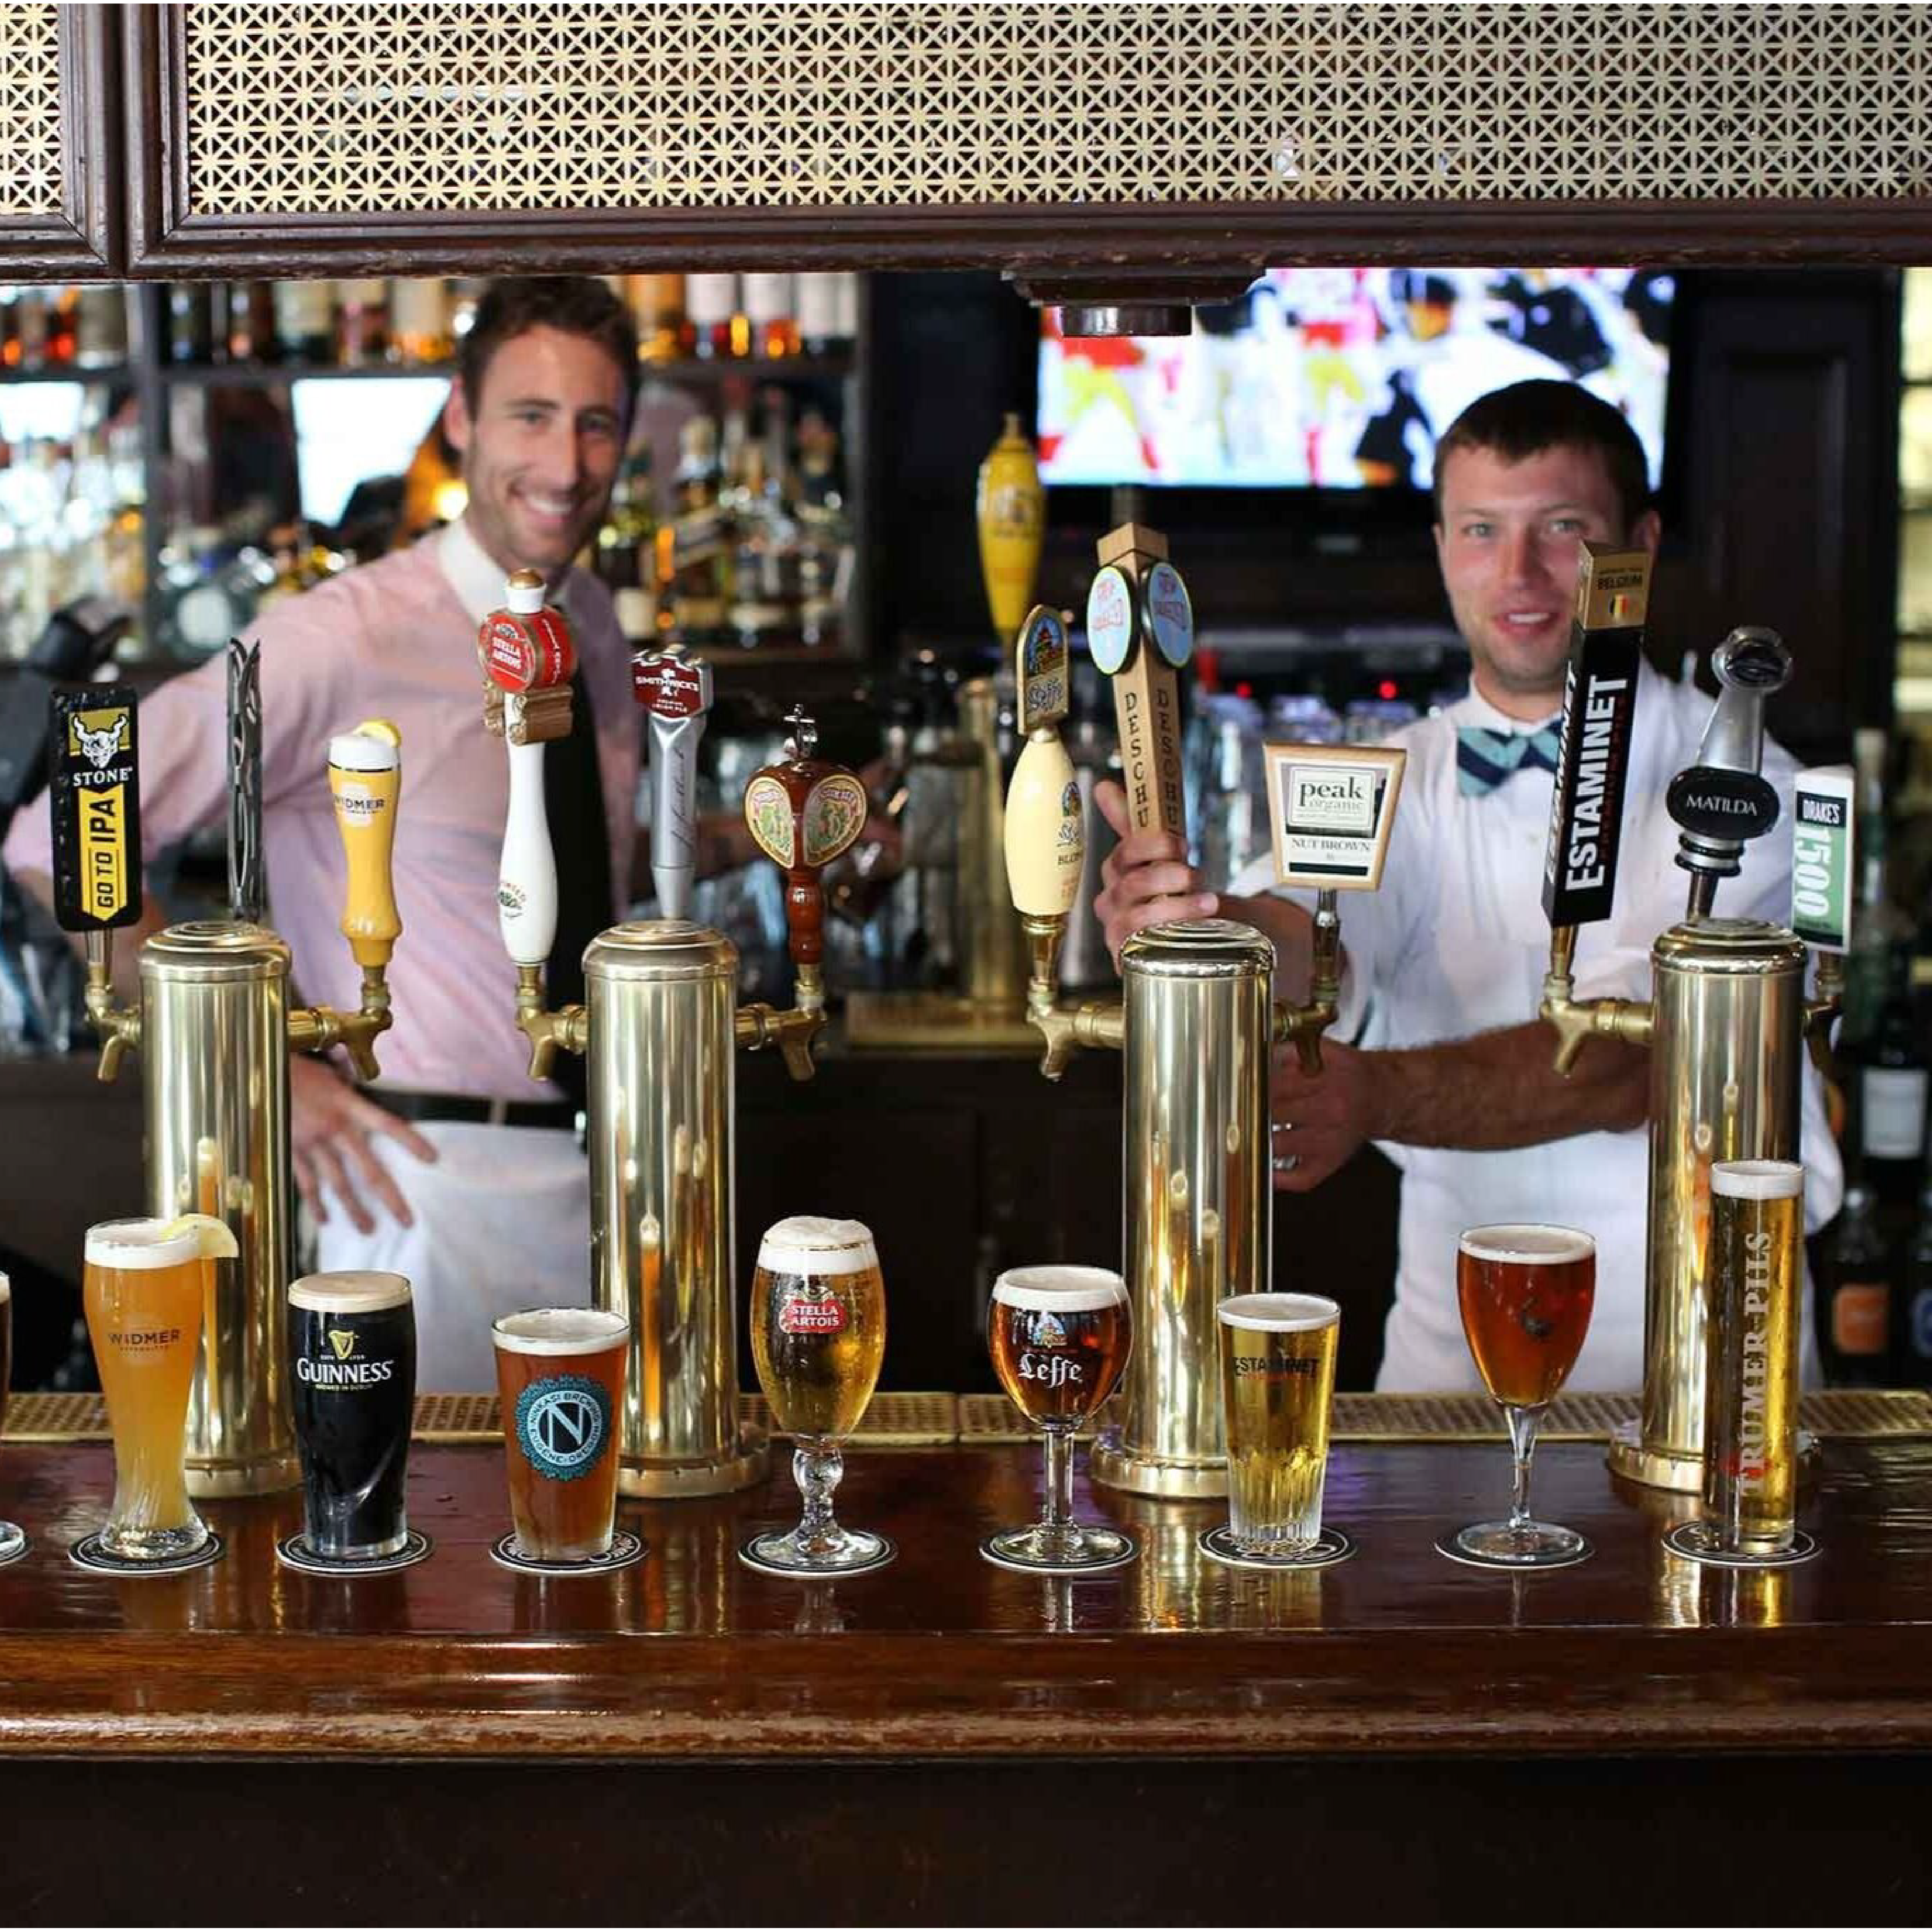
1277	1391
818	1337
144	1287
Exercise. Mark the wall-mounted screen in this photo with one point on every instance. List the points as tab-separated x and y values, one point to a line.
1342	379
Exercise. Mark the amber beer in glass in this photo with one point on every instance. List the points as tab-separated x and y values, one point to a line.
818	1337
1277	1390
144	1287
1750	1360
13	1537
560	1377
1526	1289
1059	1337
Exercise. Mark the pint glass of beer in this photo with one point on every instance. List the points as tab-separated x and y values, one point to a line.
1526	1290
352	1343
560	1375
1752	1290
1059	1338
145	1285
13	1537
818	1337
1277	1389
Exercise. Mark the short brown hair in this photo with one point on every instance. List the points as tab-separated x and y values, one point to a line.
1526	418
578	305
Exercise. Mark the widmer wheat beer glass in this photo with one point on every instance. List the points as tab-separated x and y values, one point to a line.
1526	1290
1277	1389
144	1285
818	1337
1059	1338
13	1537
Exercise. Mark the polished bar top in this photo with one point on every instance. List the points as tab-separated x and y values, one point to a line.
689	1654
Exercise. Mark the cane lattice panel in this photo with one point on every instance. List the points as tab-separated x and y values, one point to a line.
30	110
407	108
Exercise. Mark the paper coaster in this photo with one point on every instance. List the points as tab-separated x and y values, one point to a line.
625	1549
90	1555
1333	1546
1698	1541
295	1551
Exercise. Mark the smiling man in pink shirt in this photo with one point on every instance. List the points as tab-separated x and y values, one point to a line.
457	1170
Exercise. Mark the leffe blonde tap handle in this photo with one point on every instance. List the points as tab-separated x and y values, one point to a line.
526	875
365	778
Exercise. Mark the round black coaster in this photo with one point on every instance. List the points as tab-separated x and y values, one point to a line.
1333	1546
294	1551
14	1543
625	1549
1699	1542
89	1555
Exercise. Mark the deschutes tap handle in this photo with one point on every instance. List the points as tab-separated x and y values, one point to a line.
365	779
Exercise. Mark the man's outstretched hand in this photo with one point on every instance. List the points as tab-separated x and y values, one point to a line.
1146	878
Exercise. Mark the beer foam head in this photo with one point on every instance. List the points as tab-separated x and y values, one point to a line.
1757	1179
560	1331
141	1243
1279	1314
1060	1290
1535	1241
350	1292
813	1244
362	751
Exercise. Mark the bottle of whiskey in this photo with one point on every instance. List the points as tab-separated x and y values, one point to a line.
1893	1083
700	557
768	308
657	305
711	303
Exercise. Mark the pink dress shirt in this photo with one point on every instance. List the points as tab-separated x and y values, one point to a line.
394	639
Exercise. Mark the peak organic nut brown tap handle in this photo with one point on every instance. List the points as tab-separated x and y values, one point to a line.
804	812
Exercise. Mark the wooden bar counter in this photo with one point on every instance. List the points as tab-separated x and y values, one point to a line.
1397	1737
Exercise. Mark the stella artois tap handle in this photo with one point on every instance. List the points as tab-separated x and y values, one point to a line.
94	795
675	692
1140	632
1579	864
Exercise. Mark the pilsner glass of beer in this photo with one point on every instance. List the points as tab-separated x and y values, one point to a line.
1277	1391
818	1337
145	1285
13	1537
352	1343
1059	1338
1526	1290
1750	1359
560	1375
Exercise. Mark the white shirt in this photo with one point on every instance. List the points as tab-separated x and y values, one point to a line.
1455	943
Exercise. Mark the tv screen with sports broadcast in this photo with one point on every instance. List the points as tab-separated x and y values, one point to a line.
1342	379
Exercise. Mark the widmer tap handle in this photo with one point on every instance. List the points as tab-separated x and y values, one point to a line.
365	779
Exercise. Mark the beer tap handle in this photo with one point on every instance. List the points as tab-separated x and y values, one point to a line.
1823	834
1140	632
365	780
675	692
94	796
526	872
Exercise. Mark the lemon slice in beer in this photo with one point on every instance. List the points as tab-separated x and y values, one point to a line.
215	1241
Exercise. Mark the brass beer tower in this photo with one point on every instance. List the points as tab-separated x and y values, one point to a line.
216	1028
1195	1021
1726	1021
659	1031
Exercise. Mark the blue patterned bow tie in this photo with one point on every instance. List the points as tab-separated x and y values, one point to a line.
1483	759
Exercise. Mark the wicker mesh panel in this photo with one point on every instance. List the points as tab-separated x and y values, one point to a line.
397	108
30	157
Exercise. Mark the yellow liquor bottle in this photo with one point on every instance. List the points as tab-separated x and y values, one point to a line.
1012	514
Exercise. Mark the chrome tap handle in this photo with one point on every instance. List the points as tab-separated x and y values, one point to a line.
244	782
675	692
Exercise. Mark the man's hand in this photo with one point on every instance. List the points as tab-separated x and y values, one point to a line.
330	1125
1146	878
1319	1120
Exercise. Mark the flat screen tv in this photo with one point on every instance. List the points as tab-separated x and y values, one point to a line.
1342	379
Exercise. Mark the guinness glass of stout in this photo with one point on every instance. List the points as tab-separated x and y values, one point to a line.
352	1342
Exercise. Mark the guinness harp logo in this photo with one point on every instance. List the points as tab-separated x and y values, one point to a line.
342	1342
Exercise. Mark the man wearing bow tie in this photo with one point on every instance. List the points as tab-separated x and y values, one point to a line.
1451	1072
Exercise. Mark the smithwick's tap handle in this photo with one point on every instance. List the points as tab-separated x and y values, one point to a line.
365	779
675	692
94	797
1046	824
803	813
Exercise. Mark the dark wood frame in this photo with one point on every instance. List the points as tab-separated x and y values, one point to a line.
1133	249
84	242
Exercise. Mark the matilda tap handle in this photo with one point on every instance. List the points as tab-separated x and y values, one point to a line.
1580	864
94	797
675	692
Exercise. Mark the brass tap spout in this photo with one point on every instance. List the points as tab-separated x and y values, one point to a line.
1576	1020
792	1032
119	1027
317	1029
546	1031
1304	1025
1826	1003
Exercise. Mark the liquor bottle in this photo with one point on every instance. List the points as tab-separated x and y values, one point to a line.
1912	1344
419	321
190	323
700	557
362	321
817	298
100	326
1855	1299
711	302
626	543
305	322
251	321
63	326
1893	1083
768	309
